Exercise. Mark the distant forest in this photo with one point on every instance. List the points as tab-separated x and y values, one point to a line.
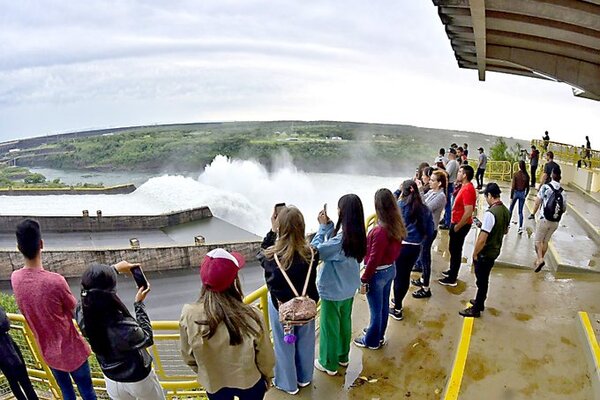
312	146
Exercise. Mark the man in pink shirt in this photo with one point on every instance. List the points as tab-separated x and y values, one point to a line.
461	221
47	303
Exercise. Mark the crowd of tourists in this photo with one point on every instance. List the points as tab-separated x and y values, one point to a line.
227	342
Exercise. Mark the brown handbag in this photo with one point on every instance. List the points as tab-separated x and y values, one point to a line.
301	309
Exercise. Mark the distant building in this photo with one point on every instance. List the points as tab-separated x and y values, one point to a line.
336	138
14	150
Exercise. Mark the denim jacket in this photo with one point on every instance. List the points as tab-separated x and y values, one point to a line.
339	278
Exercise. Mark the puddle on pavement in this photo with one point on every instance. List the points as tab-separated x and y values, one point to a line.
493	311
521	316
567	341
460	287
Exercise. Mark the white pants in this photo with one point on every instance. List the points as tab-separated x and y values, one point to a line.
147	389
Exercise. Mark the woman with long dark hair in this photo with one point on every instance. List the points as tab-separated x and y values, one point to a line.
341	248
118	340
419	226
225	341
519	191
435	200
286	251
383	247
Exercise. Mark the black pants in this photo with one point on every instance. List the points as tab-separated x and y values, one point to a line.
256	392
455	246
479	177
483	268
533	171
404	263
15	371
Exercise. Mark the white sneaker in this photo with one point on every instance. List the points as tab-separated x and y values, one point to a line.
323	369
520	231
344	364
303	384
292	392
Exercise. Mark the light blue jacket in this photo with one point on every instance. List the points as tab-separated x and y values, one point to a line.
339	278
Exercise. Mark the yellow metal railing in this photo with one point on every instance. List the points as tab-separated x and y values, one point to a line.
500	170
570	154
175	377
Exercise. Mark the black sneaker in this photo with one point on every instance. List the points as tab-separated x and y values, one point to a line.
531	217
470	312
416	282
447	281
446	272
444	227
382	342
416	268
421	293
472	302
396	314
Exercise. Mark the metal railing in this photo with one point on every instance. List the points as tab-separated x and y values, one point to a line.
498	170
179	381
570	154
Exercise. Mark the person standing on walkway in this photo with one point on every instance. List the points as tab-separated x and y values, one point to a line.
419	228
487	246
47	304
553	202
12	364
225	341
546	139
441	160
293	361
341	248
383	247
481	166
435	200
462	219
534	159
519	191
119	340
452	170
588	152
549	168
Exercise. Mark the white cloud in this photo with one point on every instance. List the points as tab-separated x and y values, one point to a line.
76	65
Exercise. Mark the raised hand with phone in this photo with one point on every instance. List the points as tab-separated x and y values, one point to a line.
140	279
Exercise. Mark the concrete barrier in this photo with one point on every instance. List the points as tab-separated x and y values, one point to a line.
96	223
72	263
73	190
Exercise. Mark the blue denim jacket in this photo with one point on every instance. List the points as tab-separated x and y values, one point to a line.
417	229
339	278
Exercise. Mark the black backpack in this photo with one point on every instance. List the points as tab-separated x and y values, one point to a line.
555	206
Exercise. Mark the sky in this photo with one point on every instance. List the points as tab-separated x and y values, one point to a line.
67	66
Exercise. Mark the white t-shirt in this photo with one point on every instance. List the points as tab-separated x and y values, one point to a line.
488	222
545	193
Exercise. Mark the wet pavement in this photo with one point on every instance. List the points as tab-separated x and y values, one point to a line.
214	230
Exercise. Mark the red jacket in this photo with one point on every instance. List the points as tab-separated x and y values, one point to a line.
381	250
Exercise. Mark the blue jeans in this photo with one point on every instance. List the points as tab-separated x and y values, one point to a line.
424	260
378	298
449	200
82	378
294	363
518	195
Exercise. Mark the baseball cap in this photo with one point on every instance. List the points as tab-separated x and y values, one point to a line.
220	268
481	148
452	150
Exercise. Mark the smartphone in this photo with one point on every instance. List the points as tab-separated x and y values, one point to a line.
139	277
325	208
477	222
278	207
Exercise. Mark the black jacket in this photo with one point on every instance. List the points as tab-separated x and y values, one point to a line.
278	287
127	360
10	355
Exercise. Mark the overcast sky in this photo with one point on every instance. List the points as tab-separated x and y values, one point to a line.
76	65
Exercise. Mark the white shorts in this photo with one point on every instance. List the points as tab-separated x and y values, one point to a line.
147	389
544	230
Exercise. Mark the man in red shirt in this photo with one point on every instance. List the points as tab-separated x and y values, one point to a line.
460	222
47	303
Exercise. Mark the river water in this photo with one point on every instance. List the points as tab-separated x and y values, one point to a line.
241	192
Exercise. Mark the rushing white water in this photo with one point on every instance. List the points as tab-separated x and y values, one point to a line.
241	192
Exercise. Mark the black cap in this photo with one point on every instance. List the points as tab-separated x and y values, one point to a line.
452	150
492	189
481	148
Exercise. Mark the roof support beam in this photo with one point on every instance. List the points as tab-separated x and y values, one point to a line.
478	17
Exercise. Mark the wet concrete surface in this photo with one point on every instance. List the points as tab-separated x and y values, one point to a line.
214	230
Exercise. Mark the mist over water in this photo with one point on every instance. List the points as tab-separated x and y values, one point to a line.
239	191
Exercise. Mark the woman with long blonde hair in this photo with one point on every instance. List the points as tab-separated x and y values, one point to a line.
285	248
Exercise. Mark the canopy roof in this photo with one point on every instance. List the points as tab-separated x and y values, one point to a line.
549	39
